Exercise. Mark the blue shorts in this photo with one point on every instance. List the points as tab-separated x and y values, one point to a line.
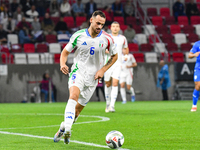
196	75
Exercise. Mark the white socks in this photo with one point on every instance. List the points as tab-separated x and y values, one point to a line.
132	91
114	94
69	114
123	94
107	95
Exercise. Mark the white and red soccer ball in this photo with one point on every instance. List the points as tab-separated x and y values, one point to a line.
114	139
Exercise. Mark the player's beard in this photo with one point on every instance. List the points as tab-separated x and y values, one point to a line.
97	30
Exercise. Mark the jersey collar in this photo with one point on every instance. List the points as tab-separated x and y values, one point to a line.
88	34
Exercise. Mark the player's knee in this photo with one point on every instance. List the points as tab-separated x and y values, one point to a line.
122	86
74	97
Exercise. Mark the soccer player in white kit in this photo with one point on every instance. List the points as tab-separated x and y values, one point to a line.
111	77
88	66
126	76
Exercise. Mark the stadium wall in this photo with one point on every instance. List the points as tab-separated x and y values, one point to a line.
13	87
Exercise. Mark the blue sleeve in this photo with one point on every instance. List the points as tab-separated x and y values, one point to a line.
195	48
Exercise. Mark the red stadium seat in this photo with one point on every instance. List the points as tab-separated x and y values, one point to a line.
167	38
123	27
137	28
16	48
187	29
183	20
69	21
133	47
146	47
172	47
157	20
169	20
51	38
80	20
192	37
42	48
131	20
175	29
152	12
162	29
29	48
164	12
186	46
163	55
56	58
7	58
120	20
153	38
139	57
178	57
194	20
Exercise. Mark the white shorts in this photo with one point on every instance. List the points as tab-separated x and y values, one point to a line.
86	90
114	72
128	79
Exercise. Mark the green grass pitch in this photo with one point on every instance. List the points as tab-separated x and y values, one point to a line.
155	125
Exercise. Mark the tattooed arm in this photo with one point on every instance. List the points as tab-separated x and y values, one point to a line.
110	62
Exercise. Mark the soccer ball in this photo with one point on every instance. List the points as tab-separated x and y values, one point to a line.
114	139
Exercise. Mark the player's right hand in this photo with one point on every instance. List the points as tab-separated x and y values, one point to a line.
197	54
64	69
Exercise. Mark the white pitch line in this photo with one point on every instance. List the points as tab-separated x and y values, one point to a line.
102	119
50	138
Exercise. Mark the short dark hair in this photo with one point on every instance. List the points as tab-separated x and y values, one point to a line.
100	13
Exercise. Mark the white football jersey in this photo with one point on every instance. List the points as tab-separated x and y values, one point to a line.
120	43
89	54
129	62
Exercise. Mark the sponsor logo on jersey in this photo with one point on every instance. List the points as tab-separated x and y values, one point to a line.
84	43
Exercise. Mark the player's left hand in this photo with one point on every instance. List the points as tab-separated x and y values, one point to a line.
99	74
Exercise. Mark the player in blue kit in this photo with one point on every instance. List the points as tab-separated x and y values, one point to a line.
194	52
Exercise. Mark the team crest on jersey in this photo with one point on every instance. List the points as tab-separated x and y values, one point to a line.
101	42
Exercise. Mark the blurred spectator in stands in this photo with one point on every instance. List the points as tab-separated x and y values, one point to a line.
129	33
4	15
90	7
54	8
26	5
48	25
30	14
2	6
178	9
78	9
37	32
128	9
45	86
65	8
109	15
59	2
23	23
18	14
163	80
117	8
3	35
14	5
61	27
106	29
192	9
9	25
24	36
40	7
85	24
